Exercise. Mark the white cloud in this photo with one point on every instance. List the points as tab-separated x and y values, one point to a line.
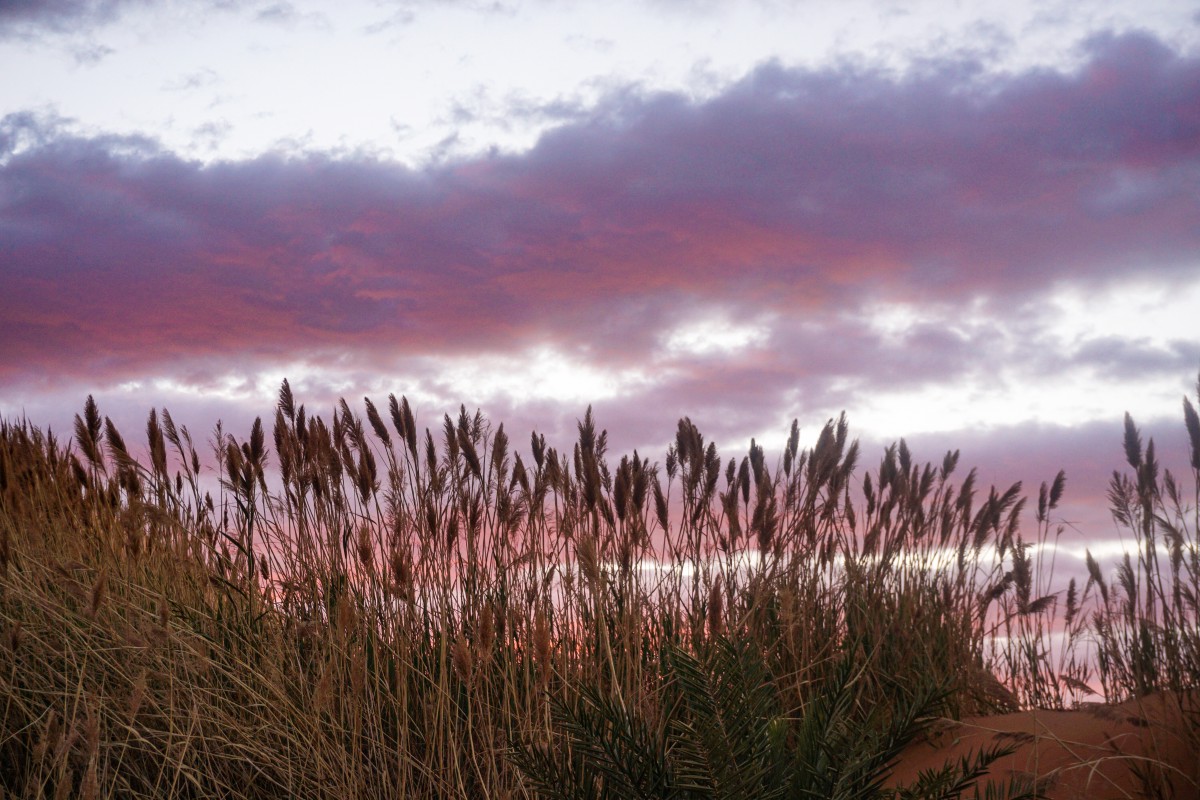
715	334
327	79
539	373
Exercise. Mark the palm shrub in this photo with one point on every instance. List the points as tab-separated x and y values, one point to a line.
721	730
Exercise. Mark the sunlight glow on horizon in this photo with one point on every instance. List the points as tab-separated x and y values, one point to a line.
989	400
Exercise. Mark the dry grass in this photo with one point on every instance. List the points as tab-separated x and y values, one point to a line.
367	609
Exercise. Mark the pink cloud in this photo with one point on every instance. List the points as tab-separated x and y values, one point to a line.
803	197
793	190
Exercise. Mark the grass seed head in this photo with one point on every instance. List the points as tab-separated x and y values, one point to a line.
366	553
137	695
401	573
347	617
487	633
716	607
323	692
461	659
589	563
98	591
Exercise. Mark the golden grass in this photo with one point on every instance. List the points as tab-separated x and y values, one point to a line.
365	611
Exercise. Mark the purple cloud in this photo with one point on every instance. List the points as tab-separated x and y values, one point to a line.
797	200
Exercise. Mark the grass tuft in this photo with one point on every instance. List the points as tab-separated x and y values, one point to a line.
363	611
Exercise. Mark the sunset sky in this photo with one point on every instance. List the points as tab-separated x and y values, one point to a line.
973	225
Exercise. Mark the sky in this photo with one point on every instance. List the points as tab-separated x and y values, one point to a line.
974	225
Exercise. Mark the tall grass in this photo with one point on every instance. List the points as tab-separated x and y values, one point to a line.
367	608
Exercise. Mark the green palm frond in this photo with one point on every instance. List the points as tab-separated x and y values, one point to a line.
882	736
822	734
556	774
726	750
628	750
722	732
609	751
953	780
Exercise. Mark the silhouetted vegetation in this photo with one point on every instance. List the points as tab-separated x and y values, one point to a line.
364	608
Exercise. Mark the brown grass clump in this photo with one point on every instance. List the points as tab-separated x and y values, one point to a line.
360	610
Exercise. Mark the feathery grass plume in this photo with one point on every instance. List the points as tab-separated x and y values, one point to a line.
367	474
87	433
1072	603
485	637
347	617
285	451
1193	429
1056	489
793	447
137	696
500	453
287	403
158	446
364	548
397	416
116	444
172	434
96	598
716	606
377	423
410	426
542	646
589	561
621	489
744	477
467	447
401	573
1133	443
462	660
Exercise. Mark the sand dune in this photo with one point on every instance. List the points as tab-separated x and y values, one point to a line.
1097	751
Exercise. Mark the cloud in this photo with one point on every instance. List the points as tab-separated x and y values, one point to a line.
88	55
282	13
199	79
865	233
24	18
403	13
33	19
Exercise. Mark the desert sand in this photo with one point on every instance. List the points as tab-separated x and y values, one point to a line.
1097	751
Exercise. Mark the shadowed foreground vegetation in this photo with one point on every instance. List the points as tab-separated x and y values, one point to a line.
367	608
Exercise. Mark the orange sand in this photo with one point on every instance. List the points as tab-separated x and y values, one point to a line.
1097	751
